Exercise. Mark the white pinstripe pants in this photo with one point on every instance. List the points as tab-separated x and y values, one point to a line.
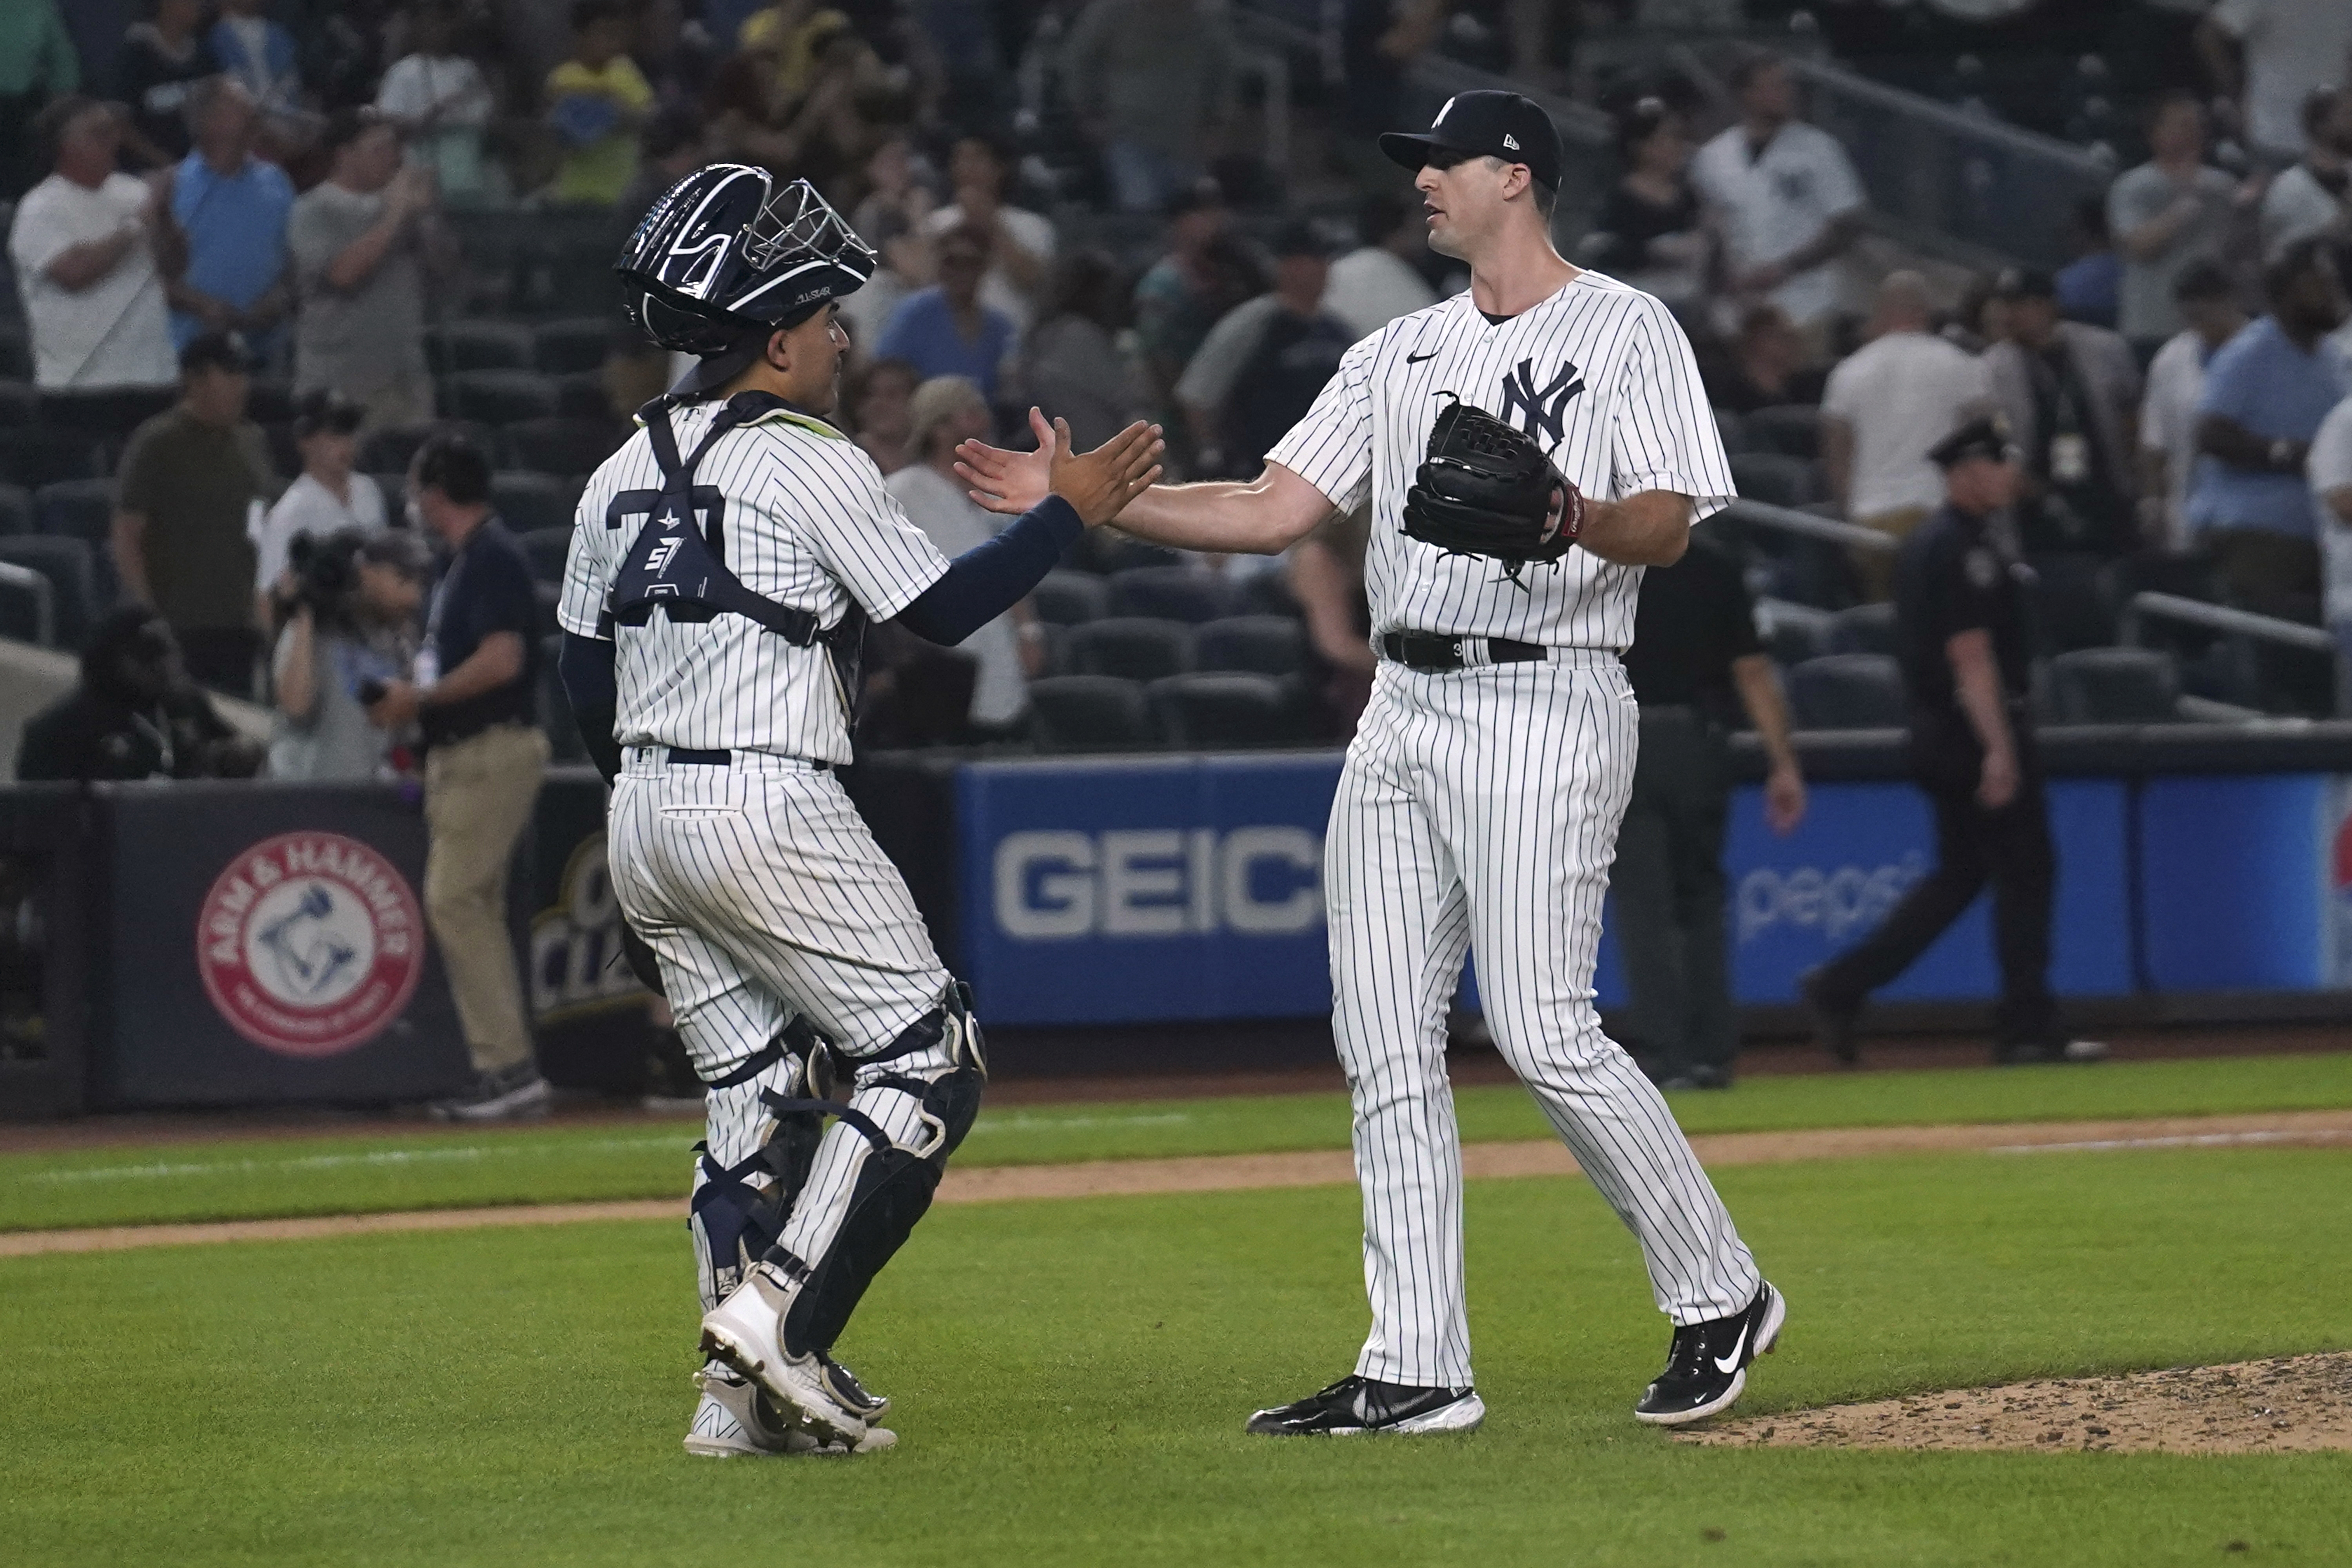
764	893
1479	810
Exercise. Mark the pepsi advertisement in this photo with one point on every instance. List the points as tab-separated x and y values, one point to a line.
1165	887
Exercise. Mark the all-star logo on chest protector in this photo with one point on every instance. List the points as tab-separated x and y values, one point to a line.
1543	414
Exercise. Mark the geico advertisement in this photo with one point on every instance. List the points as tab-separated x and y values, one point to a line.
1171	887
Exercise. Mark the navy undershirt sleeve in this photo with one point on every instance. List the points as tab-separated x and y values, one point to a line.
586	666
989	579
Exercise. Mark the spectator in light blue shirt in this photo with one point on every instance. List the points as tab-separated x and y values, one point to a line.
231	208
2266	392
945	330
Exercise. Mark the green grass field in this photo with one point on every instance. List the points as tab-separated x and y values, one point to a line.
428	1168
1071	1377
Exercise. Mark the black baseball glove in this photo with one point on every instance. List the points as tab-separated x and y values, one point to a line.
1485	488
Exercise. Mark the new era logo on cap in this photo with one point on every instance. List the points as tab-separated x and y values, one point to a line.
1484	124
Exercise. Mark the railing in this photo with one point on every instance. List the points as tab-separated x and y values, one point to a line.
45	601
2220	618
1805	524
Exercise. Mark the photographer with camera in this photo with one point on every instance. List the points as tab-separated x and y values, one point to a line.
350	631
328	498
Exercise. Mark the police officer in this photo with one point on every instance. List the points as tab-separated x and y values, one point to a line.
1695	654
1963	640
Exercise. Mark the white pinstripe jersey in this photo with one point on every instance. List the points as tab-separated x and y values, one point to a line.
1599	374
803	521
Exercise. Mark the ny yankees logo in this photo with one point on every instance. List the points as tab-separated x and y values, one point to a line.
1547	410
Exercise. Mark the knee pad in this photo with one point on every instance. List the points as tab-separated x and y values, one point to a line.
912	1107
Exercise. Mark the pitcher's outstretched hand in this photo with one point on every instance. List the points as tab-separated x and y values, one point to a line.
1097	483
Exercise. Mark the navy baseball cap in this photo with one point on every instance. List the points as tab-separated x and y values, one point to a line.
1484	124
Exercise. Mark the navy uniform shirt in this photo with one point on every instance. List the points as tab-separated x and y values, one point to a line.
1694	619
1955	575
485	587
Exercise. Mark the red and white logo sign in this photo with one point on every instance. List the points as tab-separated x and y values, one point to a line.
309	943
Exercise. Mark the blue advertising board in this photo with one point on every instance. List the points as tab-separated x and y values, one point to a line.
1190	886
2244	881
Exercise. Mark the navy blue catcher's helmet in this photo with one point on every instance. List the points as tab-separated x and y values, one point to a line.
728	255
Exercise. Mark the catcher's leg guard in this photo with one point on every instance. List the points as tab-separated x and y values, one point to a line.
877	1169
754	1161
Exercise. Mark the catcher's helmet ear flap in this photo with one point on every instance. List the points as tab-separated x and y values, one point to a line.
730	249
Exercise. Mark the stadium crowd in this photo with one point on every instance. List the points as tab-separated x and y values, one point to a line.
264	249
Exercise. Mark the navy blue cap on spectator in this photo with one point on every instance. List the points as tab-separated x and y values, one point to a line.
1299	237
323	408
2024	283
1484	124
215	350
1987	436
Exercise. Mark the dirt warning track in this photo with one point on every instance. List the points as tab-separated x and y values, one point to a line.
1316	1168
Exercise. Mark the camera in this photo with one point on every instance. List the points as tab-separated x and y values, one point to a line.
325	571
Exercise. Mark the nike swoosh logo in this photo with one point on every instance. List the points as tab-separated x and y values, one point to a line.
1416	359
1730	1363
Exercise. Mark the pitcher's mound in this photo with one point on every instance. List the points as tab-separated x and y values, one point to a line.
2292	1404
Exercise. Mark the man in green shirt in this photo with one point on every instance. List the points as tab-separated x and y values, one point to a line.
37	63
188	484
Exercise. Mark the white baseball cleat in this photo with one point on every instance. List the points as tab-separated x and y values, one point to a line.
746	1332
736	1420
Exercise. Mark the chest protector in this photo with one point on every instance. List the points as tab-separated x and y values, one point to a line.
677	564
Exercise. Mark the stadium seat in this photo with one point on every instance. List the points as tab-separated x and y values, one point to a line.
583	396
36	456
562	445
389	450
1792	633
564	743
567	347
1258	645
1790	429
1733	430
1088	714
547	548
1133	647
267	401
15	351
2114	685
114	412
1205	712
498	396
19	404
285	452
460	346
1847	691
66	562
77	508
1773	479
1171	592
15	510
20	611
1865	628
1267	592
2070	602
1069	598
531	503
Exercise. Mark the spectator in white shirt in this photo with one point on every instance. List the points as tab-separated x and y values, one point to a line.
2288	48
440	102
2329	468
328	500
1021	245
2166	215
1790	200
83	245
2167	414
948	410
2315	197
1375	283
1886	405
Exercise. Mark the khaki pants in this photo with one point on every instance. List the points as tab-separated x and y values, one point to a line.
477	799
1876	568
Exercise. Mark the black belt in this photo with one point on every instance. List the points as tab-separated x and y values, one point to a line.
1428	650
677	754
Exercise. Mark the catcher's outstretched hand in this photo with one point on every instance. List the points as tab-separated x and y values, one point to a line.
1100	484
1013	482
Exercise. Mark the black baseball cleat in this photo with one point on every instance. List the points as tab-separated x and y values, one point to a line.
1357	1404
1833	1018
1706	1366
